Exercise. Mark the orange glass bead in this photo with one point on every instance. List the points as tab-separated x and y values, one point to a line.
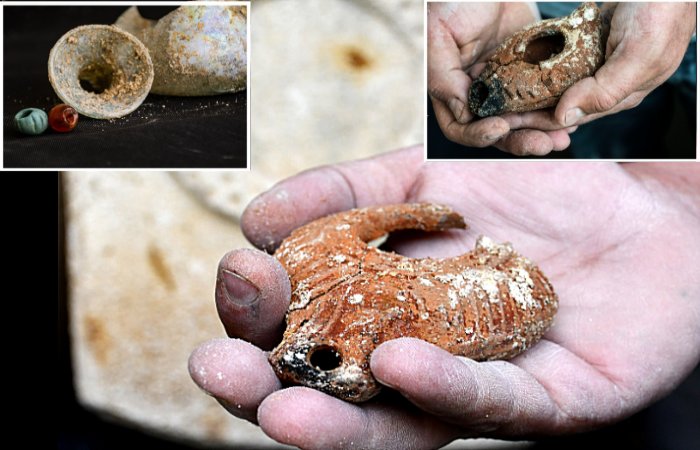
62	118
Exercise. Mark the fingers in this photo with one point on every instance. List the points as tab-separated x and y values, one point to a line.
560	138
534	142
446	79
384	179
646	44
310	419
503	133
236	373
496	398
621	75
252	296
480	133
547	389
526	142
542	120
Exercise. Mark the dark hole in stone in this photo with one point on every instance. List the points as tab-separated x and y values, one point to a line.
479	93
96	77
325	357
544	47
25	114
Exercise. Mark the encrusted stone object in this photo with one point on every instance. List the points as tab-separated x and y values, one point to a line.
101	71
106	71
533	68
348	297
196	50
31	121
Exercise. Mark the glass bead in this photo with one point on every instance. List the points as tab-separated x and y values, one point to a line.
31	121
63	118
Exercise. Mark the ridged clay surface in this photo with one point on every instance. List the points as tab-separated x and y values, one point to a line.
348	297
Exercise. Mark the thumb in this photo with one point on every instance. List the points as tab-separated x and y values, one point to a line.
612	83
383	179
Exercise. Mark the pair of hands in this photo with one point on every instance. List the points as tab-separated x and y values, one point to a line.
618	242
646	44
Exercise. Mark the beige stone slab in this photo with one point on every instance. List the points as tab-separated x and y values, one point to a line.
141	256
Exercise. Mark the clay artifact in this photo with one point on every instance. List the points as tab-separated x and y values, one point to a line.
348	297
533	68
106	71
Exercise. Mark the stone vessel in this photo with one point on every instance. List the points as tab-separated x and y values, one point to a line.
107	71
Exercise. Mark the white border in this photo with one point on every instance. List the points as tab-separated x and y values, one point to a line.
514	157
126	4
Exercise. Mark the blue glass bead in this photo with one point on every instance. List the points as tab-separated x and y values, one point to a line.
31	121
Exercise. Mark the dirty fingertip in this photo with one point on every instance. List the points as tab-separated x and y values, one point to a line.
560	140
392	363
273	215
485	132
309	419
459	110
572	116
527	142
261	223
252	295
235	372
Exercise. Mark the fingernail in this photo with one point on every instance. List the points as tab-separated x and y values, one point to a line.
239	290
493	137
572	116
457	108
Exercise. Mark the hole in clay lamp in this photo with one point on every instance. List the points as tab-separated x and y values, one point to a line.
544	47
96	77
418	243
325	358
480	92
25	114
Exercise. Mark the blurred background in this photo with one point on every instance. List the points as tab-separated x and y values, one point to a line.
139	250
331	80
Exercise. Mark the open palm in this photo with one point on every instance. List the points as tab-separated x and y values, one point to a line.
618	245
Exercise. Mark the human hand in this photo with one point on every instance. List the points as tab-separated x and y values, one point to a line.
618	242
460	36
646	45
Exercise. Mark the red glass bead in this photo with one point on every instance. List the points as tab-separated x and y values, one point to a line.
62	118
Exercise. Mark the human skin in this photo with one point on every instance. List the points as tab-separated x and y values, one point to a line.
645	46
618	242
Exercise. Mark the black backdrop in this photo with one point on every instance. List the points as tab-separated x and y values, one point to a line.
164	132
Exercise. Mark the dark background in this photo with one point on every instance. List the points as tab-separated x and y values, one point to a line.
164	132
